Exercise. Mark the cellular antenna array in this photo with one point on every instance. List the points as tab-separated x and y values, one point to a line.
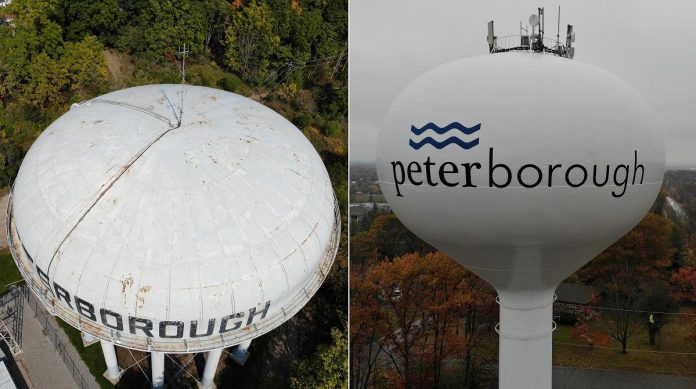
534	41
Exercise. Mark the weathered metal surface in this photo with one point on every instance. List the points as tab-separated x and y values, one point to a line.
174	239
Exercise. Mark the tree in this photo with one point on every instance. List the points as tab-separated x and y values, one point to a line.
627	270
85	66
417	305
45	80
394	239
250	41
35	38
159	28
327	368
39	67
215	13
102	19
364	314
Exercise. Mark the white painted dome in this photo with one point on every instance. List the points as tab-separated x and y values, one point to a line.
171	236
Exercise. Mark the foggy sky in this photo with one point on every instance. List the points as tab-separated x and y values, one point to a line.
650	44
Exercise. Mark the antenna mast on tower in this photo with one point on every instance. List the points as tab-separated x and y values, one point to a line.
533	40
184	54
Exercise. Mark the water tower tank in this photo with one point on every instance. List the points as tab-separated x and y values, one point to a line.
170	232
522	167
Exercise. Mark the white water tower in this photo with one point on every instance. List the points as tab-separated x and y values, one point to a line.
522	166
173	219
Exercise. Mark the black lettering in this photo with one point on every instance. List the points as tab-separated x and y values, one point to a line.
398	182
119	320
412	170
85	309
491	169
44	277
428	165
467	169
594	177
519	175
454	169
623	183
636	166
253	313
584	177
62	293
194	328
137	323
179	329
226	319
551	169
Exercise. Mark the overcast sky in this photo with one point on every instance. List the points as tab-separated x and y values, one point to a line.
650	44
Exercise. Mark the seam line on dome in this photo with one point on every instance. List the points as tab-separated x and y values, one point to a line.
112	181
140	109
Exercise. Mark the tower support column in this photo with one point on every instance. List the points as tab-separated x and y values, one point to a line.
240	352
112	373
526	326
157	368
211	364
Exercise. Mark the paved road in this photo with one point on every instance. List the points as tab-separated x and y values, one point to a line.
570	378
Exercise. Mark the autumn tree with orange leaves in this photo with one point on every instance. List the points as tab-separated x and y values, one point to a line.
633	275
418	312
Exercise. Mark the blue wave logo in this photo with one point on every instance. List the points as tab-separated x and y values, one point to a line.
455	126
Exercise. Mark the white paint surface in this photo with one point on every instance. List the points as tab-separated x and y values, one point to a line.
220	215
533	109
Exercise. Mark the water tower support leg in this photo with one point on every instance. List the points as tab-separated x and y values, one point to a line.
526	327
240	352
112	372
157	367
211	364
87	339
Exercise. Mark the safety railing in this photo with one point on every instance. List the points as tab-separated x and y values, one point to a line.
47	323
526	43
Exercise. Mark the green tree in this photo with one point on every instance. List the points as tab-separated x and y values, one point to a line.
327	368
250	41
34	34
45	80
103	19
85	66
159	28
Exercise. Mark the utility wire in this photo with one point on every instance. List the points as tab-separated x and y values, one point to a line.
627	310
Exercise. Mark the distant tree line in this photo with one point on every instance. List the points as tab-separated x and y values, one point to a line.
52	56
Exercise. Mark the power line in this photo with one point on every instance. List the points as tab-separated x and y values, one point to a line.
287	68
627	310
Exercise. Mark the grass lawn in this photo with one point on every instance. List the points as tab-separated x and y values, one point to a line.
673	338
92	355
8	270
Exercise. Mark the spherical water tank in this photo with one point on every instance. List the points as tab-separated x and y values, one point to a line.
520	166
173	228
